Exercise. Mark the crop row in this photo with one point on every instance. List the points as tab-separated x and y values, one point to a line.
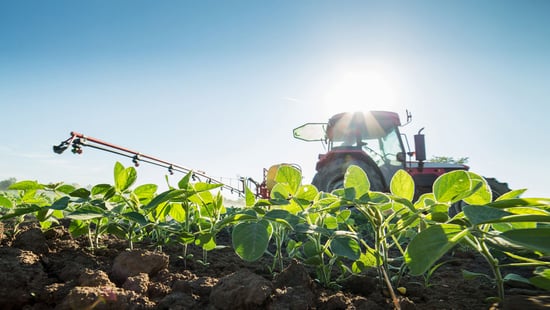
351	229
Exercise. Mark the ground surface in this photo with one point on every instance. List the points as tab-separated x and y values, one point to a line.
51	270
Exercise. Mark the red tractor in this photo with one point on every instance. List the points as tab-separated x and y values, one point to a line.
372	141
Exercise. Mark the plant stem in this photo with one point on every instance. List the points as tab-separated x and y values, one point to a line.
493	263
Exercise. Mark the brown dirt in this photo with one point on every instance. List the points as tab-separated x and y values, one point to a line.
51	270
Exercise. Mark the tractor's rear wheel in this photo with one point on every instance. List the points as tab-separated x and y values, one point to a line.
331	175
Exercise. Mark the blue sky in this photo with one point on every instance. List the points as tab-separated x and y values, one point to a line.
218	86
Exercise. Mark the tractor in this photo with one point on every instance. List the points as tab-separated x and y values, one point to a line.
372	141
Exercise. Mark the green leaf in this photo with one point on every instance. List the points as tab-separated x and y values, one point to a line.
366	260
184	182
250	198
65	188
86	213
61	203
26	185
5	202
521	202
80	193
135	217
402	185
306	192
145	192
483	215
177	212
203	187
535	239
346	247
512	194
288	174
250	240
542	279
206	241
124	177
451	186
78	228
430	245
281	191
101	189
470	275
481	196
357	179
20	210
164	197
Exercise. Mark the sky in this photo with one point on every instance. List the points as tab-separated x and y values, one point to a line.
218	86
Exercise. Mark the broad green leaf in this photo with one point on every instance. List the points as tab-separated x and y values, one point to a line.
469	275
541	279
481	196
514	225
250	240
204	187
135	217
521	202
145	192
80	193
61	203
452	186
535	239
250	199
430	245
439	213
366	261
86	213
26	185
290	175
206	241
5	202
483	214
306	192
281	191
177	212
78	228
101	189
330	222
357	179
402	185
164	197
346	247
124	177
515	278
65	188
116	230
20	210
512	194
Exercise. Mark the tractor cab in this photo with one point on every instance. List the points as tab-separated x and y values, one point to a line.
372	134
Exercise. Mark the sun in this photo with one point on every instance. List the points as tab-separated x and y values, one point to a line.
360	90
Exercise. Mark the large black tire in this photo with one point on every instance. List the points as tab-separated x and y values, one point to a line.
331	175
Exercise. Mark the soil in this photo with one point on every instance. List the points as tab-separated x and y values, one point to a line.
52	270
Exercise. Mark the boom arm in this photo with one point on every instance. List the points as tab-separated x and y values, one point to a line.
78	140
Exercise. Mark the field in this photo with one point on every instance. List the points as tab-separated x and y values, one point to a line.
52	270
125	247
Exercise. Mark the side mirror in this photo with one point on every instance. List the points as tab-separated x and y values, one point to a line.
420	146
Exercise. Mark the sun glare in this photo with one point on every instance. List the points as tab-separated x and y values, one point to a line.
359	91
